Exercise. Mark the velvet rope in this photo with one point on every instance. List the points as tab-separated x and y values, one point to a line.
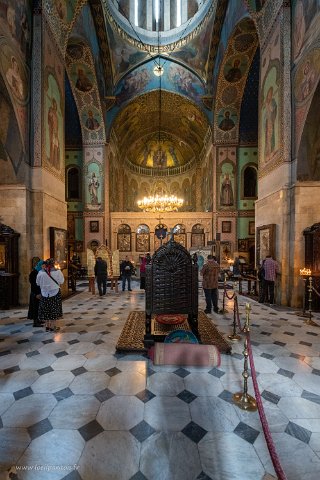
272	450
226	294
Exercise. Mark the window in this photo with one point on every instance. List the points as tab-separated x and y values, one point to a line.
73	183
250	182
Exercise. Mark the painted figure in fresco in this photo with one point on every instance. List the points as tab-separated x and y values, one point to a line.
174	156
269	123
93	189
226	194
83	83
308	80
91	122
226	123
14	79
234	74
299	28
53	124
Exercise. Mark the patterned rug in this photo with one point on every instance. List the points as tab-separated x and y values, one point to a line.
131	337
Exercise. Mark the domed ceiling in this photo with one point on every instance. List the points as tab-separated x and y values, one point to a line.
168	138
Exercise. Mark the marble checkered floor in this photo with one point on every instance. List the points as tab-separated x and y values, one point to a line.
72	408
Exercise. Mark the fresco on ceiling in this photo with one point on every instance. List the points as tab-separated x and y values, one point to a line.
195	53
53	119
11	148
235	68
226	186
236	10
227	119
91	118
269	137
82	77
64	9
175	78
84	27
160	155
123	55
93	187
307	76
305	25
15	23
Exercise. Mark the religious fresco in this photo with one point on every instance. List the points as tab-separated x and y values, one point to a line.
270	114
226	186
93	186
235	68
91	118
232	79
15	20
257	5
195	53
123	55
307	76
53	108
82	77
175	78
160	155
11	148
64	9
305	26
53	120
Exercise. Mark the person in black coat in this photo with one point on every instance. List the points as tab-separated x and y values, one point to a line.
35	296
126	272
101	273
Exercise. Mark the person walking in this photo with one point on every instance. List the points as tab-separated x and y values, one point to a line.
35	295
126	272
49	280
101	273
210	273
271	268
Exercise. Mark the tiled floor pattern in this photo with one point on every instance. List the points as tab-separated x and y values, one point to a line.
71	408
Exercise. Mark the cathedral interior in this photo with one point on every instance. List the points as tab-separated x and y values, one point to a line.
103	103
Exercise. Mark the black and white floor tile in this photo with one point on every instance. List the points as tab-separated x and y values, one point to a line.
72	408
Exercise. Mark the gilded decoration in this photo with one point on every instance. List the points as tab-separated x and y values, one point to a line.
183	128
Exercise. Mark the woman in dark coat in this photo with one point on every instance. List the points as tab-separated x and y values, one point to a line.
35	296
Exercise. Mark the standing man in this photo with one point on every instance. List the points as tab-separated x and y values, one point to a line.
271	269
101	273
126	272
210	272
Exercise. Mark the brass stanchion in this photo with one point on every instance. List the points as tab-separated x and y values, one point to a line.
246	327
224	294
234	337
242	399
308	321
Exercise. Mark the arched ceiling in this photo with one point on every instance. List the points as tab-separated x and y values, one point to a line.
179	130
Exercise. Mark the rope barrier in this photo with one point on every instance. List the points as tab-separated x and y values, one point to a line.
272	450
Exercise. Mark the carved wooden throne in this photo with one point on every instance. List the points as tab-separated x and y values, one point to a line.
171	287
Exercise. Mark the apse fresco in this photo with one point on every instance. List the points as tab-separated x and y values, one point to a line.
53	119
160	155
306	25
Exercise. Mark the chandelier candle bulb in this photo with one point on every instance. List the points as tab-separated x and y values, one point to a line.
156	203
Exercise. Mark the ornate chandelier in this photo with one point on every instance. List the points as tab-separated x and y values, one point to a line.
155	203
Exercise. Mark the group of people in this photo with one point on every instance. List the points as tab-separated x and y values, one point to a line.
45	305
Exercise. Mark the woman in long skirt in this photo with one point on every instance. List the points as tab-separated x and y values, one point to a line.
49	280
